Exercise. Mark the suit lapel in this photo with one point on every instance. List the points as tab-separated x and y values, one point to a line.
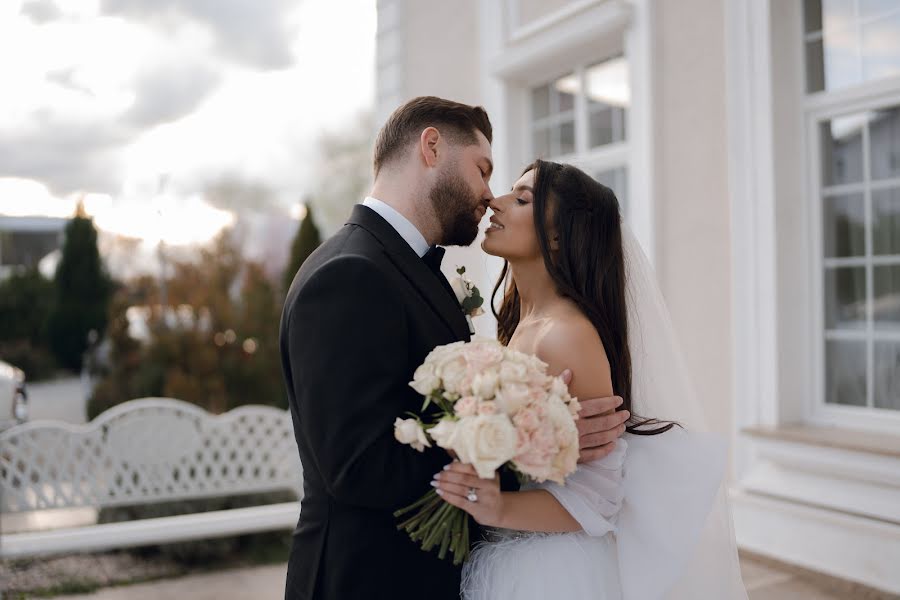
414	269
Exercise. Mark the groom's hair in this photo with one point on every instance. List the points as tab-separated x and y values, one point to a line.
458	122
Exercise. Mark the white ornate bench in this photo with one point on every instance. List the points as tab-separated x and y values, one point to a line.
145	451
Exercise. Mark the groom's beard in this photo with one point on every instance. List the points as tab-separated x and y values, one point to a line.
455	206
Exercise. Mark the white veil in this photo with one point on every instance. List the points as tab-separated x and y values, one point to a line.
699	539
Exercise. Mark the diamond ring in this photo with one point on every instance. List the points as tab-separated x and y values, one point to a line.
472	497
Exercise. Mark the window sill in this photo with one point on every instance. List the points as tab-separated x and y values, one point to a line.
831	437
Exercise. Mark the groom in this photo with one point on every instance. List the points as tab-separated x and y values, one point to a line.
362	313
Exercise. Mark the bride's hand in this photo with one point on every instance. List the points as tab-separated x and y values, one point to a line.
455	483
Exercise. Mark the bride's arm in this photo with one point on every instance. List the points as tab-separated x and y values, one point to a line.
592	491
530	510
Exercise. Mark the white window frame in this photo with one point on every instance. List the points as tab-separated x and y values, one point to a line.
602	158
519	58
819	107
778	310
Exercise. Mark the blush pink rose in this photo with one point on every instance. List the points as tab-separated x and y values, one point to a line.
466	406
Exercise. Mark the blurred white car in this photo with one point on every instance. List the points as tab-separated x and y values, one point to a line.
13	397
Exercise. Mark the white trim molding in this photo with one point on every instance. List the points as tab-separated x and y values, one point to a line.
751	181
855	548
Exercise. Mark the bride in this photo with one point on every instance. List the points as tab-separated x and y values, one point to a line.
650	520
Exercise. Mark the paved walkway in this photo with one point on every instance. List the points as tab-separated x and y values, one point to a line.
764	580
60	399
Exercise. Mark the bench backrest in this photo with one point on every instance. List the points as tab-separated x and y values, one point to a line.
147	450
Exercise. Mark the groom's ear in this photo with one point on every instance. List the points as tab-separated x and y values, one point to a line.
429	142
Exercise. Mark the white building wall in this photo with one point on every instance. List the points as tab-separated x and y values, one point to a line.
691	192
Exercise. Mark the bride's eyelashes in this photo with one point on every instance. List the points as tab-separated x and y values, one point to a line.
521	201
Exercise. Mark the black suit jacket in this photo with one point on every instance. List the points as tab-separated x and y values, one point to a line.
362	313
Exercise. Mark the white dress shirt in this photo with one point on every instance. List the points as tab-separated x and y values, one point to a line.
401	224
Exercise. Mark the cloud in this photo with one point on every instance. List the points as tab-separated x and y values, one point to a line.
72	148
68	155
165	93
108	102
41	11
238	194
67	78
257	33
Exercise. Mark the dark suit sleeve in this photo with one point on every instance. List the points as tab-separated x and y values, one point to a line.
347	345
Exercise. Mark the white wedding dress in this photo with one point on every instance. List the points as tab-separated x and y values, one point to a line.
654	513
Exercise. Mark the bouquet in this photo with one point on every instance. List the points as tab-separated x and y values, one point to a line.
496	408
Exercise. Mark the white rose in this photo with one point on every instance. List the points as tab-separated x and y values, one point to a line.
425	381
466	406
443	432
487	408
511	397
513	372
574	407
558	388
453	372
486	442
558	413
564	463
459	288
409	431
441	353
485	384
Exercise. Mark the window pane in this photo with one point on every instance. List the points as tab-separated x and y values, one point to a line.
886	222
845	226
541	141
842	65
607	83
601	128
886	303
877	8
887	375
842	150
540	102
564	90
815	66
845	298
884	142
854	47
881	47
812	15
554	98
838	14
566	133
845	372
565	101
617	180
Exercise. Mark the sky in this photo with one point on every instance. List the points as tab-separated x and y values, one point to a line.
168	117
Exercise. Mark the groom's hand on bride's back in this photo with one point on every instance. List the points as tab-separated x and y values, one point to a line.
599	424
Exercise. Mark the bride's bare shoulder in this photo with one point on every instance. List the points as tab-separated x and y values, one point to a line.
571	342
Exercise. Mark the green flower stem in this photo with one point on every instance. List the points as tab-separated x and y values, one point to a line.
418	518
433	528
429	497
431	524
448	527
437	524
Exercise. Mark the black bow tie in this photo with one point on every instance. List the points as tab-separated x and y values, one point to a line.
434	257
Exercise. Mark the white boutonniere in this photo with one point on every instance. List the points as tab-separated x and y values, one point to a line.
468	296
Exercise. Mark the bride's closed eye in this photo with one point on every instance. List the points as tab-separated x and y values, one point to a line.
521	201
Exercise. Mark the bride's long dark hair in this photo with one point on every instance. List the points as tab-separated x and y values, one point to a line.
588	268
